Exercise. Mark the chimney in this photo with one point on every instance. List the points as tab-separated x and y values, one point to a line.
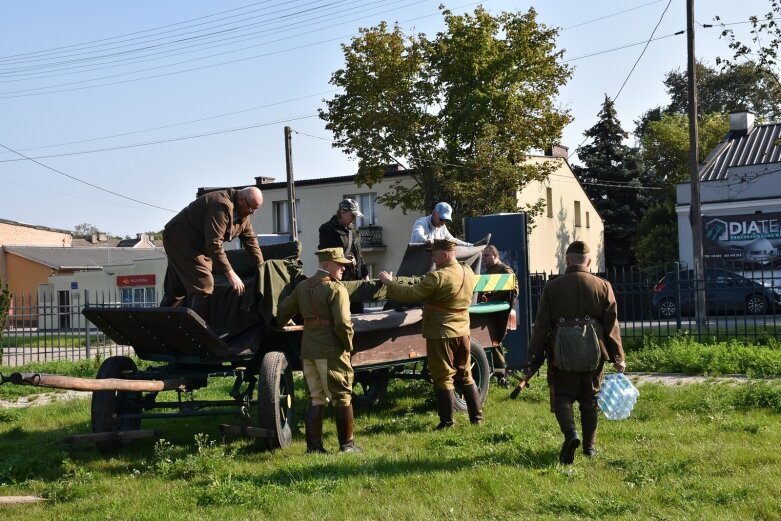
393	168
741	122
93	238
263	180
557	151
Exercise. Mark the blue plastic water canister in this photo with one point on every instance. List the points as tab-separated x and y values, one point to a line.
617	397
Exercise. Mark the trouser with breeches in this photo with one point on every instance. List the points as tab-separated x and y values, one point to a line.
448	362
330	380
562	407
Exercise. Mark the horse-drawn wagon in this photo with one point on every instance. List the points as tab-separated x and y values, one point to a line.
242	342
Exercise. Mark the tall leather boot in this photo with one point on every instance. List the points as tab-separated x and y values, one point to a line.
472	397
566	419
199	304
169	301
588	422
445	404
313	425
344	429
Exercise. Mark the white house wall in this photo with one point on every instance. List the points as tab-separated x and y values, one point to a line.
318	203
550	236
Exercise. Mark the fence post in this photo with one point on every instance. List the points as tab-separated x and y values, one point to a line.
678	296
86	324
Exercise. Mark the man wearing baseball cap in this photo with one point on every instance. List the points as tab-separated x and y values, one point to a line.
324	304
434	227
340	232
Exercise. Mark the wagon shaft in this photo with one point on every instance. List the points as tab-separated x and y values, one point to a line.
105	384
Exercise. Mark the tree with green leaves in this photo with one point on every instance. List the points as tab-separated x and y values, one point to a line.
85	230
760	53
656	240
462	110
614	180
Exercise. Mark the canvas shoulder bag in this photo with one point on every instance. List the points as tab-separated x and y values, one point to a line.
576	345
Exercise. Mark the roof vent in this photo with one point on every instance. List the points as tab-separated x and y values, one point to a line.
741	122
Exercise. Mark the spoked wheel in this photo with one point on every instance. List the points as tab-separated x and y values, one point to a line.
276	399
369	387
108	407
481	374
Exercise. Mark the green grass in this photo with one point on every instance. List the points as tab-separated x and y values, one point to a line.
688	452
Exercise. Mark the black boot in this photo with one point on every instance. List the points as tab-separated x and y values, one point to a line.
199	304
564	415
344	429
313	424
568	448
472	397
445	404
588	422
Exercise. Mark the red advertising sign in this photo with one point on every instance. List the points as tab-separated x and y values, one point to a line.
124	281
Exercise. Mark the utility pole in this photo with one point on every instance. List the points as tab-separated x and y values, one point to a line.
694	173
291	187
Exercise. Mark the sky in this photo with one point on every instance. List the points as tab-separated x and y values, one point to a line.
124	109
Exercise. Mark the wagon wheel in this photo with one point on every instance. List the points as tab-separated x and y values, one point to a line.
369	387
481	373
108	406
276	398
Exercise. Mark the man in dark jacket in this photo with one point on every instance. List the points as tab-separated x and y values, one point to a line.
193	242
494	266
576	297
339	232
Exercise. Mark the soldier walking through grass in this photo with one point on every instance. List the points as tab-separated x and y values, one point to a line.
585	304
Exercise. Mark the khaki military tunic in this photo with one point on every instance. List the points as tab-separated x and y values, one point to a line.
576	294
447	294
327	342
193	242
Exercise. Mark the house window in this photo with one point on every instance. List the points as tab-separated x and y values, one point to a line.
366	202
588	220
549	200
282	216
577	213
139	297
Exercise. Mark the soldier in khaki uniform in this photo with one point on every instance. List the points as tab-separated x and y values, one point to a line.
193	242
494	266
447	294
577	294
324	304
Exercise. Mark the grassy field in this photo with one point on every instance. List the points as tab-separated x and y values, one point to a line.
696	452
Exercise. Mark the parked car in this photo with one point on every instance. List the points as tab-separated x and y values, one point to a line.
727	293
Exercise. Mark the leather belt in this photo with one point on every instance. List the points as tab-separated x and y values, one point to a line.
317	321
575	322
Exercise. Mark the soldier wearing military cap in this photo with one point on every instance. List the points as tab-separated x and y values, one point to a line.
447	294
324	304
576	297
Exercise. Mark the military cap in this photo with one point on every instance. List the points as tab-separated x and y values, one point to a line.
332	254
579	247
443	244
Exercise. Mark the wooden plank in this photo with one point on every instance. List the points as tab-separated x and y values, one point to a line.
113	436
20	500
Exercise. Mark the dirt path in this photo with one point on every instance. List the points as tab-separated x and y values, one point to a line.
41	399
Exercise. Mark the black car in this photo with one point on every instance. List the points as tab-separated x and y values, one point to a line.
727	293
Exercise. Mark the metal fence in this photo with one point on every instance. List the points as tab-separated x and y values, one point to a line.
50	327
743	300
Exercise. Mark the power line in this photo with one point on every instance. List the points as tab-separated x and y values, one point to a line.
176	124
86	182
208	39
169	140
30	92
611	15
